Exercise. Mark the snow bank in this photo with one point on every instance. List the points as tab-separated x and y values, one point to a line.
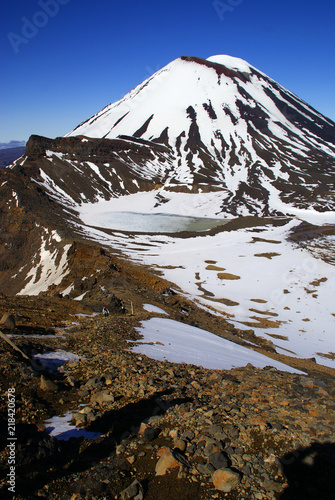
180	343
154	309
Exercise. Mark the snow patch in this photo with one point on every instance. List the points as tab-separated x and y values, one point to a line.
180	343
53	361
154	309
49	269
62	429
231	62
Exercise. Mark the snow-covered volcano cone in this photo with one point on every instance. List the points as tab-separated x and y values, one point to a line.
227	126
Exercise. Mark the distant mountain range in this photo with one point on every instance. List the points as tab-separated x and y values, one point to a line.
7	156
12	144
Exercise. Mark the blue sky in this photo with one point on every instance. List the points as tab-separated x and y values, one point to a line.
64	60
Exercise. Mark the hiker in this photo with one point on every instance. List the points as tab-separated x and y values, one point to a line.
105	311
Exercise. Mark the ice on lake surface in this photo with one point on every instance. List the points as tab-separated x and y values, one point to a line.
155	223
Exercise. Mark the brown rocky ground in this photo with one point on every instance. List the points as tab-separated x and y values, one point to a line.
169	431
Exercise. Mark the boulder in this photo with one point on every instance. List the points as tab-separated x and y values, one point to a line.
7	320
133	492
102	397
167	461
225	480
179	444
218	459
47	385
79	419
205	469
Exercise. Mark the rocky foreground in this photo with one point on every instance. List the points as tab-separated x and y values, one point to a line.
167	431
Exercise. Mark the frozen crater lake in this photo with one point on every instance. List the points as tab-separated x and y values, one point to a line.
155	222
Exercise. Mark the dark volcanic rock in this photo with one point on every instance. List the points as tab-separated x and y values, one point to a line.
254	424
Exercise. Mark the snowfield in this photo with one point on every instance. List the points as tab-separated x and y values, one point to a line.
254	277
166	339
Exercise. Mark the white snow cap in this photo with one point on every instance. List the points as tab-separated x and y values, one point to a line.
231	62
